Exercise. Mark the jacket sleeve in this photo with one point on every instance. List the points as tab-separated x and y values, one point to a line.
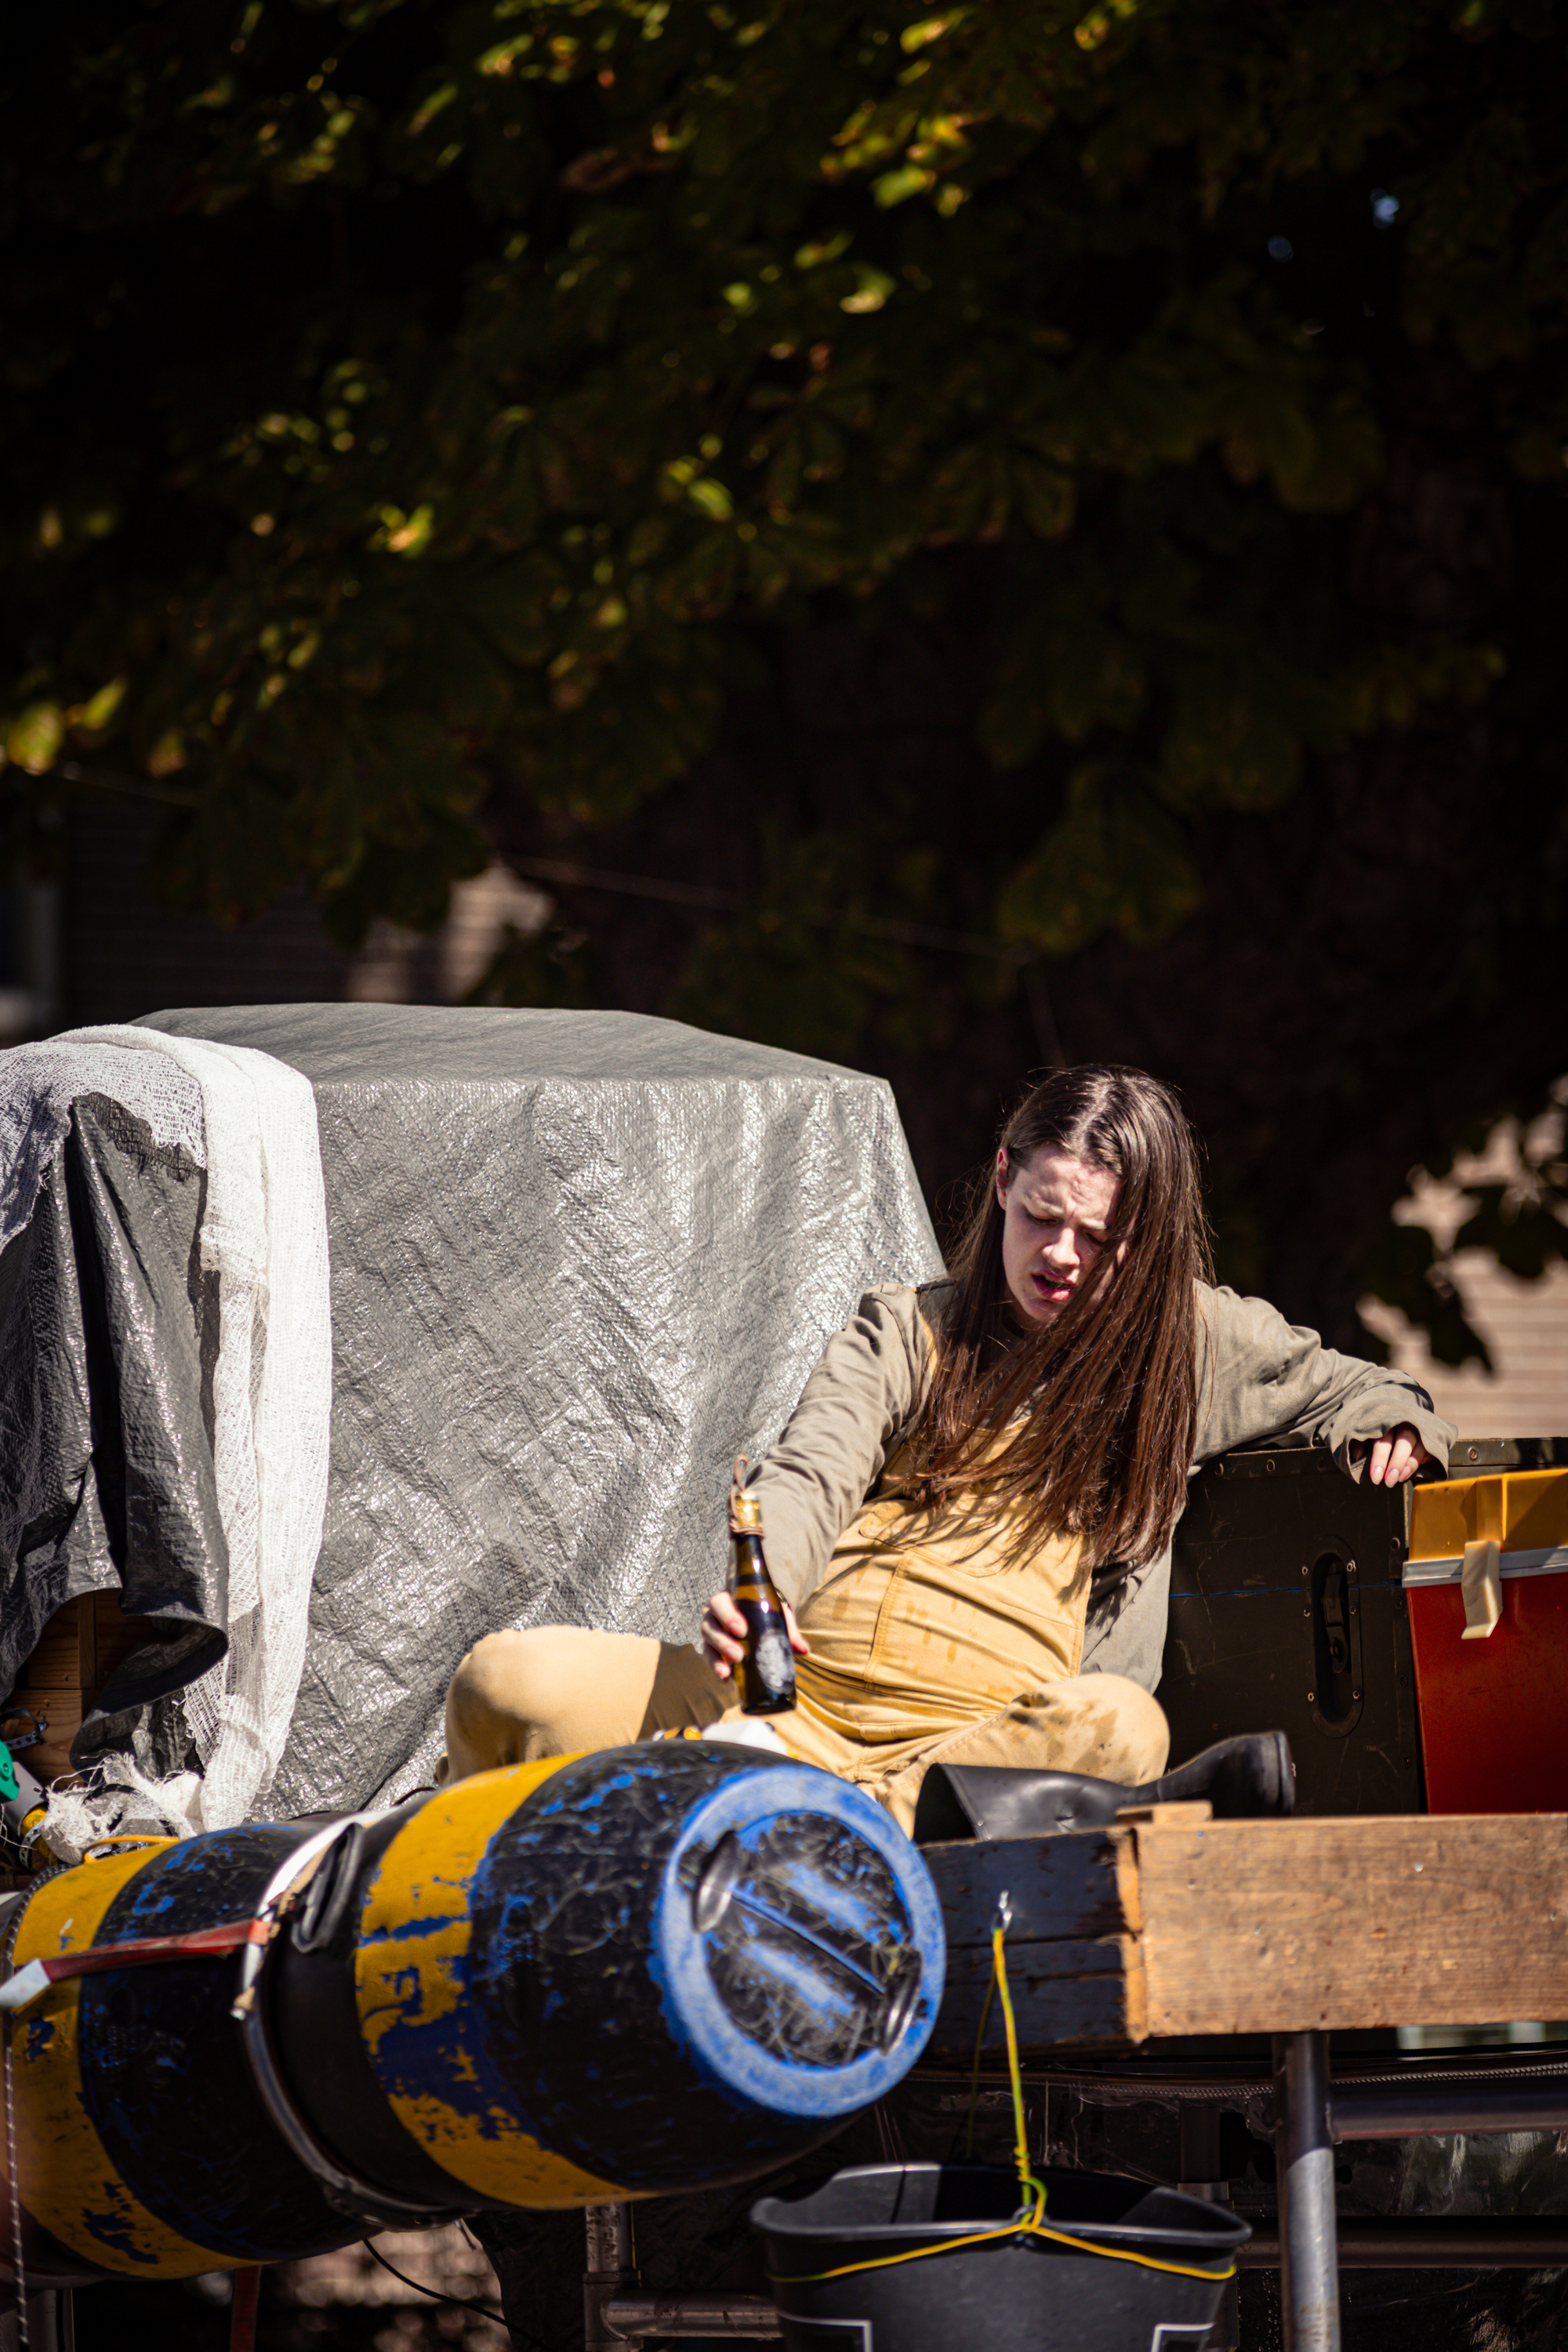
1261	1377
866	1383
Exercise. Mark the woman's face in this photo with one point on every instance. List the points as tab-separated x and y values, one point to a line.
1057	1212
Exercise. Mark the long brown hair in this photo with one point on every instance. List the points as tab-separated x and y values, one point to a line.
1104	1399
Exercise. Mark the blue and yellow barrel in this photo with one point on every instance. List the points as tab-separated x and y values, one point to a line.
648	1970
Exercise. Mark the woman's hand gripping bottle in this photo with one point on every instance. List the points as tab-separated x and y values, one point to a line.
766	1671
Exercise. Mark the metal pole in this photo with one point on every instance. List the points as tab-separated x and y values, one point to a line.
1406	2111
1308	2249
1430	2241
611	2270
629	2317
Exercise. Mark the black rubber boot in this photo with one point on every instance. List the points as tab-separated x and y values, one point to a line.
1244	1779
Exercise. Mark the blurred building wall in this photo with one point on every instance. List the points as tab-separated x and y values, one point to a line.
1524	1324
123	954
95	944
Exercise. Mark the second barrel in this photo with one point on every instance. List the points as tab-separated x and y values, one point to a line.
645	1969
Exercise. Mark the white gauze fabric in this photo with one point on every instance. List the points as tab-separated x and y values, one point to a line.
265	1237
38	1084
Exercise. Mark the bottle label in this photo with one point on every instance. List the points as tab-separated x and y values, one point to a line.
774	1661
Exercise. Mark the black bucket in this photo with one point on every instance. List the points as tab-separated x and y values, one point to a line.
1013	2294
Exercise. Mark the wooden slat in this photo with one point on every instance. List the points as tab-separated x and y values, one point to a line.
1076	1886
1074	1969
1089	1995
62	1711
54	1663
1037	1963
1279	1926
72	1659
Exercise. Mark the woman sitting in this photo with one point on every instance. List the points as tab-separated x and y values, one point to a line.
970	1506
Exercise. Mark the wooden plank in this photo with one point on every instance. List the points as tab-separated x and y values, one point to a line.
54	1660
61	1709
1074	1969
1037	1964
1076	1886
1279	1926
72	1659
1087	1994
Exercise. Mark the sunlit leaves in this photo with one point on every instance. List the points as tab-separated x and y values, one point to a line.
872	287
168	755
897	186
405	534
930	28
33	739
92	716
712	498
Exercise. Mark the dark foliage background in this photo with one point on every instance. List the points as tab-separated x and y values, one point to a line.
1029	531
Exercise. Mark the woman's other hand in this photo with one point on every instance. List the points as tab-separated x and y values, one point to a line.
1396	1456
724	1634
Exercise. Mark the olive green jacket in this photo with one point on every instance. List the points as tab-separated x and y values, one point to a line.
1259	1376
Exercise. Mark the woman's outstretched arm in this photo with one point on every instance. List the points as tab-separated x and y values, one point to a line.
1260	1377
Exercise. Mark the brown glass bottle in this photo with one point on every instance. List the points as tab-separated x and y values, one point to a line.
766	1671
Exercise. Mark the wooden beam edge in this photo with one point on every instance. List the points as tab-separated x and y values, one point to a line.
1129	1892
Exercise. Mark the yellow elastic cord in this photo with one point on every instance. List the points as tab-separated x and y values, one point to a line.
1030	2229
1026	2180
1033	2227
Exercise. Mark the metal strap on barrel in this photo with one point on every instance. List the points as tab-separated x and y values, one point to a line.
344	2191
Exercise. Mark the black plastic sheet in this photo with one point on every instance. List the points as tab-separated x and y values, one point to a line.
107	1333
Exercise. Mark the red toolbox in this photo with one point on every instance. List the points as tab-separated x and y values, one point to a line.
1486	1581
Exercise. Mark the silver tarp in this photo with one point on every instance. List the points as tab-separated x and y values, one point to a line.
579	1261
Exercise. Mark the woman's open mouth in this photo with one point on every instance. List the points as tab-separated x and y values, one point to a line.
1051	1288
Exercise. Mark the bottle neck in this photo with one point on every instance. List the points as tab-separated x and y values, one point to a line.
750	1568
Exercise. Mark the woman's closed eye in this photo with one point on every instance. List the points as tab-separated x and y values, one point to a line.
1080	1234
